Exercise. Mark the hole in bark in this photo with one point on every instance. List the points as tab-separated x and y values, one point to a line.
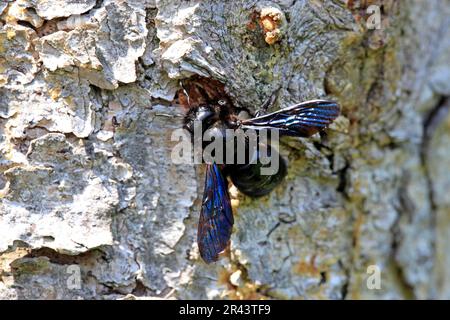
139	290
197	91
25	24
345	286
48	27
61	258
98	4
342	186
323	277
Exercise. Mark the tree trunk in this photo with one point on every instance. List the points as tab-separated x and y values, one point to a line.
93	207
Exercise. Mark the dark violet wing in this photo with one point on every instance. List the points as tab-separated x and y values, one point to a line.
216	217
301	120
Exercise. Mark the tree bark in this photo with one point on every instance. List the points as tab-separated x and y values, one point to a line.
93	207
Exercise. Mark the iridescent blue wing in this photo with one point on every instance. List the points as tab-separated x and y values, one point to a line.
216	217
301	120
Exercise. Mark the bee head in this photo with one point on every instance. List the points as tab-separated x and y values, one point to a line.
205	115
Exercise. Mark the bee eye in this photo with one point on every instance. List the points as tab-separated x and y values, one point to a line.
222	102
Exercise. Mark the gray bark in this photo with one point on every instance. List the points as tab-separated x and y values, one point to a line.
87	184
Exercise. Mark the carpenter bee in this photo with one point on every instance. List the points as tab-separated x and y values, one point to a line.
214	110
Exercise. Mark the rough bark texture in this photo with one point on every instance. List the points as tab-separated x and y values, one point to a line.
86	116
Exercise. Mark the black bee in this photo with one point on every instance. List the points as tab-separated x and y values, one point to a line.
218	113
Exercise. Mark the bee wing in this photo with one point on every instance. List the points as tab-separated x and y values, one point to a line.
216	217
301	120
